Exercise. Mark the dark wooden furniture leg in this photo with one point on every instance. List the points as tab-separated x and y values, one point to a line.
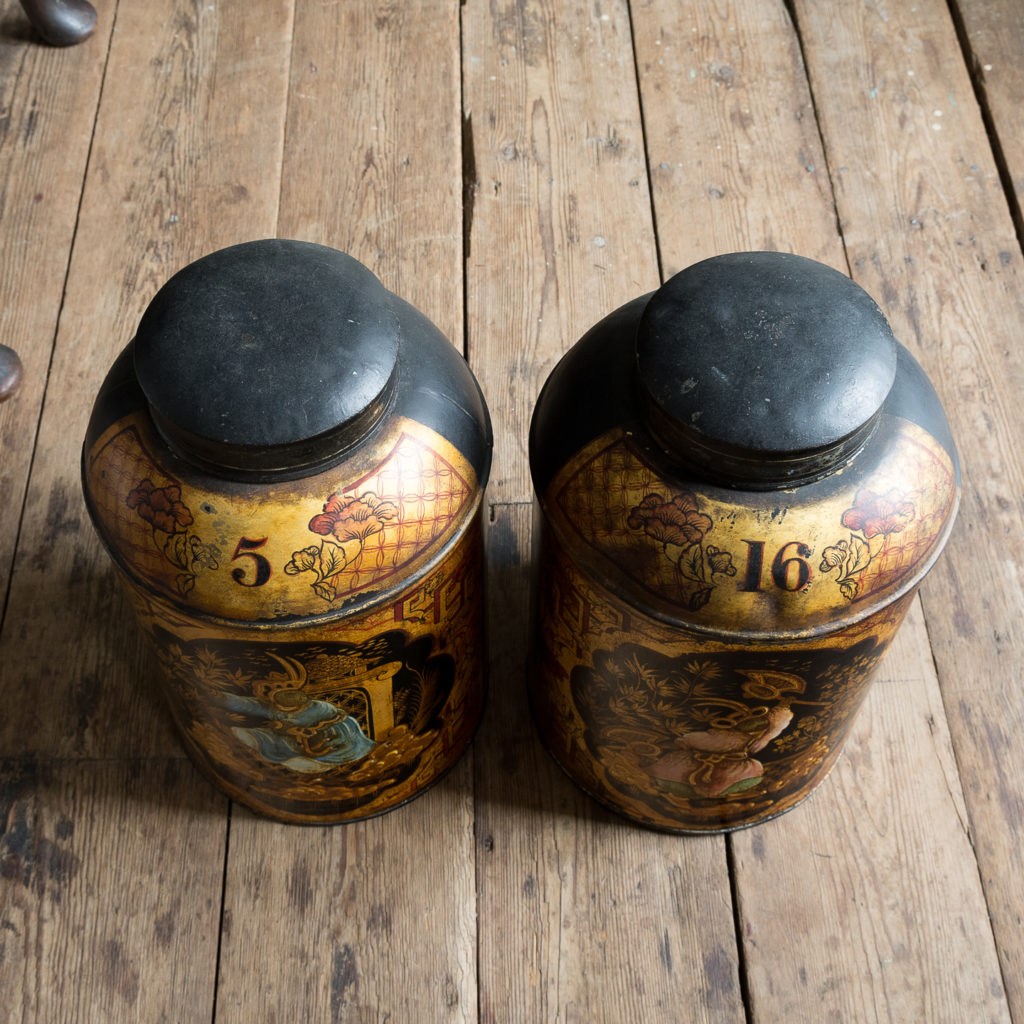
61	22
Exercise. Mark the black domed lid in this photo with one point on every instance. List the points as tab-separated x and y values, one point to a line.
268	356
763	367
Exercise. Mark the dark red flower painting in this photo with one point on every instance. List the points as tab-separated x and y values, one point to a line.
878	515
354	519
161	507
678	521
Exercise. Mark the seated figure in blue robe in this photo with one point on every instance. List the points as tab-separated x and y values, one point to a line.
302	733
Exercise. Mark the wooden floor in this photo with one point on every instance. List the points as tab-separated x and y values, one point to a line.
516	169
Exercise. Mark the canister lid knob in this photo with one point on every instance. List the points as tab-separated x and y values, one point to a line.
763	368
268	357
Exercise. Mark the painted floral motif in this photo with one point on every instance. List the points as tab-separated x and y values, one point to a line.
875	518
170	520
355	519
680	527
345	524
875	515
679	521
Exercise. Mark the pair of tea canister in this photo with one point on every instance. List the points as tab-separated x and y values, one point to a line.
742	479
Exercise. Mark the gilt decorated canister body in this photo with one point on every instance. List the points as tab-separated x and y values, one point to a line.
741	480
287	465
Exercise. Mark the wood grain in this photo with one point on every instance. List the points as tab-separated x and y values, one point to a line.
561	235
112	869
864	904
373	164
775	190
603	921
373	920
994	33
186	160
364	922
110	877
929	234
506	143
558	212
48	101
735	156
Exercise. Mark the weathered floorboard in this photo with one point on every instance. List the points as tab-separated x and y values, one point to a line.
373	160
522	165
594	913
865	904
186	159
733	146
109	891
373	920
113	847
583	916
48	101
364	922
558	212
761	181
993	32
928	232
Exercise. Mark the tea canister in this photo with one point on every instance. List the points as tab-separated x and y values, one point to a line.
287	466
741	480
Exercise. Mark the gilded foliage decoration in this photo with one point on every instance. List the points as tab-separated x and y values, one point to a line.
707	739
676	725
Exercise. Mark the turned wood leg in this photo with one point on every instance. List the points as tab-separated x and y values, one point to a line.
10	372
61	22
